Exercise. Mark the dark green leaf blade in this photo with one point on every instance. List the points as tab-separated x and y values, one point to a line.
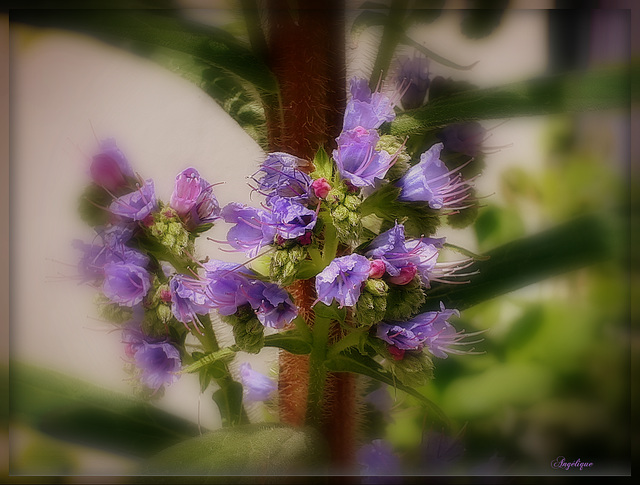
290	341
575	91
73	410
582	241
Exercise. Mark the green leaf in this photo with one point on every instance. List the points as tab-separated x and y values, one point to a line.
574	91
256	449
331	312
208	359
290	341
353	361
323	165
582	241
229	401
76	411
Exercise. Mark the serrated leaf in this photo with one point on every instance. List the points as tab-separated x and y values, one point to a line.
256	449
574	91
290	340
72	410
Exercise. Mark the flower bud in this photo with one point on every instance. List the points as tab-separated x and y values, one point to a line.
321	187
377	269
406	275
109	168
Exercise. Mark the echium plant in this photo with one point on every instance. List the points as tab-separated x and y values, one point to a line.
336	221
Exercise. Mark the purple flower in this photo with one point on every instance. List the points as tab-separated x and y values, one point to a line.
227	286
291	219
125	283
95	256
188	299
357	159
342	280
272	304
158	360
464	138
412	76
256	386
186	191
136	205
404	258
282	177
253	229
366	109
110	168
431	330
377	459
193	199
431	181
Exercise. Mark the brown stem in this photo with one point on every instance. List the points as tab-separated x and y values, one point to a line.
306	54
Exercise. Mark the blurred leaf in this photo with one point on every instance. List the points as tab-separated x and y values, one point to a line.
203	360
229	401
582	241
405	39
73	410
499	387
574	91
290	340
352	361
496	225
256	449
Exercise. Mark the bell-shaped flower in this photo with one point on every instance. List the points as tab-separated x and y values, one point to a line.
272	304
226	285
366	109
136	205
291	219
188	299
110	168
282	175
342	280
157	359
125	283
253	228
432	182
357	159
412	78
430	330
256	386
465	138
193	199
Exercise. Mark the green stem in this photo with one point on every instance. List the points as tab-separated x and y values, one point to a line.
229	396
391	36
317	371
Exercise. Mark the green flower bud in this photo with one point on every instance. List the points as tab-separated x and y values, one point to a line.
404	301
391	144
340	213
376	287
249	335
164	313
413	370
284	264
351	202
167	229
112	311
335	195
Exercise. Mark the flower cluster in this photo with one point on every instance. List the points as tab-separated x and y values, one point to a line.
148	278
345	221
